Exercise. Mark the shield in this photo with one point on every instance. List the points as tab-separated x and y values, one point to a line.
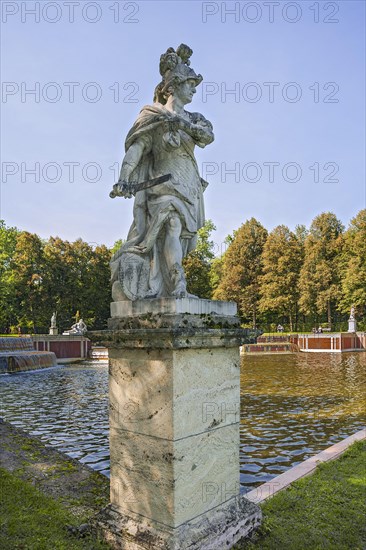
134	271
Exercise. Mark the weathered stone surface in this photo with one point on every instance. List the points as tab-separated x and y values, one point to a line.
174	393
160	168
165	338
217	529
172	481
172	305
174	438
176	321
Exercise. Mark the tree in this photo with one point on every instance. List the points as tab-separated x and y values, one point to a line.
8	241
319	283
197	264
353	263
98	295
77	280
27	278
117	245
242	268
216	272
301	233
282	261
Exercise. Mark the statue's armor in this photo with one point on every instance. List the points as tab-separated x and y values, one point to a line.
184	191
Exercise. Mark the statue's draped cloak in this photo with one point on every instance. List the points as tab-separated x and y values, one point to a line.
166	150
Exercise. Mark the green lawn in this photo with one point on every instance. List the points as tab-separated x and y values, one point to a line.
30	520
324	511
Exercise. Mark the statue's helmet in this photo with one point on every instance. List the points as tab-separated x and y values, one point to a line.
174	69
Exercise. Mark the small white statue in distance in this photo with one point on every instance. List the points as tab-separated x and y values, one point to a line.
53	328
352	324
160	169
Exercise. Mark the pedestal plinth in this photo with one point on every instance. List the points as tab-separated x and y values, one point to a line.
352	326
174	386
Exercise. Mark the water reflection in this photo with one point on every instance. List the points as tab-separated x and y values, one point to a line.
65	406
292	406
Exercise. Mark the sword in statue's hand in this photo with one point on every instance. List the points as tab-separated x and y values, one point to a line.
127	190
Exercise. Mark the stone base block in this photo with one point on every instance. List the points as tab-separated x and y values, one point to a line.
172	482
221	527
165	306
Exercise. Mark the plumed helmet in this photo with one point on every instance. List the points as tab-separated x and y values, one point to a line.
174	69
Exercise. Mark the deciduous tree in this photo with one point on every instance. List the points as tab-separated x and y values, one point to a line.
197	264
242	268
320	277
353	263
282	261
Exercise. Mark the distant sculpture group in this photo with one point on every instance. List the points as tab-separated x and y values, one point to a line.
160	169
78	328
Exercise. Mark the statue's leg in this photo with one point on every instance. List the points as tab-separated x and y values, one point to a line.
150	237
173	256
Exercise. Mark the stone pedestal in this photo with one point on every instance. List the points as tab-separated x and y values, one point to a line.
352	326
174	385
53	331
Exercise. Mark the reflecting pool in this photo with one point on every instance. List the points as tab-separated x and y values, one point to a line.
64	406
292	406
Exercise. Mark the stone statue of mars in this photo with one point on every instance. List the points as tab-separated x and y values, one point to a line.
159	168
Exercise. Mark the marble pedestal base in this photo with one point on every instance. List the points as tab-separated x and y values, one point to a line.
174	394
218	529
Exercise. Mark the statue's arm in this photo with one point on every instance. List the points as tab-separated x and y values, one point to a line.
132	159
200	129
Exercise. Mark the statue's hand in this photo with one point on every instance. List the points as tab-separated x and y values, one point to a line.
121	189
198	132
126	189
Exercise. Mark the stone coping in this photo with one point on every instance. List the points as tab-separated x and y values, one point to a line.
270	488
328	334
173	338
58	337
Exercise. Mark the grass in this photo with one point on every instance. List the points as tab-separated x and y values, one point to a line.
324	511
33	521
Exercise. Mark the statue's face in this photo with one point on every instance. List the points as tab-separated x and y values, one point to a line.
185	91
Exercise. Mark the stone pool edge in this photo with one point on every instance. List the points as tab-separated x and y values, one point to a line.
283	481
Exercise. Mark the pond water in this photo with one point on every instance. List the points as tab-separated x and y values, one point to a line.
292	406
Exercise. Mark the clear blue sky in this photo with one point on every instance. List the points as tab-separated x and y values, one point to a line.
230	52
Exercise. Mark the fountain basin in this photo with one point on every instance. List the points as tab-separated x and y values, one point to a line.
18	354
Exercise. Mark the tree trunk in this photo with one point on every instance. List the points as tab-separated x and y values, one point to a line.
291	324
254	318
329	315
